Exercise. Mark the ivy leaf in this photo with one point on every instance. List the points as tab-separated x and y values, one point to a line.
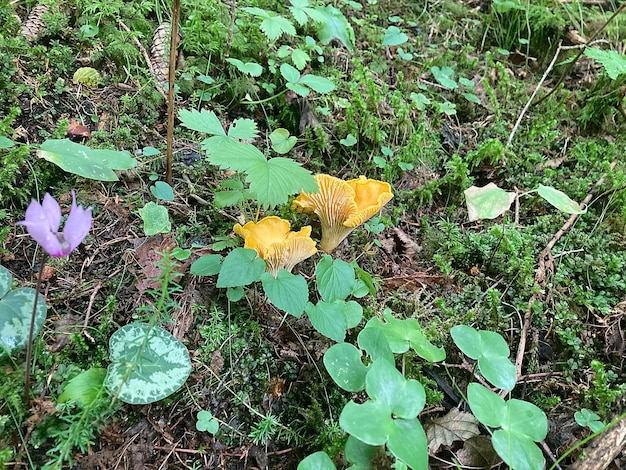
272	181
335	26
249	68
201	121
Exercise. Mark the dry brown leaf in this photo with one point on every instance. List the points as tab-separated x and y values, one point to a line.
455	426
478	452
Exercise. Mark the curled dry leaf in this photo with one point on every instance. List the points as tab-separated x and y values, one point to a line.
454	426
77	130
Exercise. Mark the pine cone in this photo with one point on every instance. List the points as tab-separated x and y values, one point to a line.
160	51
34	24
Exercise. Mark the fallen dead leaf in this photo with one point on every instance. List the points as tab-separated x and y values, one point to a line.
455	426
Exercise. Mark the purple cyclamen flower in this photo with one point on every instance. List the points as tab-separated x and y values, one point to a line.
42	222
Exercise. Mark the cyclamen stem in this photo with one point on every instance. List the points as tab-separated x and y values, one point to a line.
31	332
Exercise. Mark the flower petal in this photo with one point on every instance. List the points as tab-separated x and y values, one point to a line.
40	223
77	225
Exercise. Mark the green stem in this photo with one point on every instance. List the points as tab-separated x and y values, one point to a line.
31	333
267	99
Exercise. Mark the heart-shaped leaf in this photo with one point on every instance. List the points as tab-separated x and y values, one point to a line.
147	364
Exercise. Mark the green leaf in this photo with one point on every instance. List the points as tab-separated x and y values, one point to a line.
147	364
404	398
299	89
402	334
5	281
318	84
394	37
155	219
375	343
205	422
487	202
334	26
300	58
249	68
201	121
407	442
281	141
228	198
83	161
444	76
230	154
518	451
317	461
349	141
271	182
360	454
370	422
287	291
207	265
588	418
85	387
560	200
150	152
419	100
16	308
328	318
162	190
240	268
275	26
234	294
488	407
343	363
290	73
491	352
335	278
243	129
613	62
6	143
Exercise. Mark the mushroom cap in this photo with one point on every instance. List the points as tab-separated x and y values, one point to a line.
273	240
343	205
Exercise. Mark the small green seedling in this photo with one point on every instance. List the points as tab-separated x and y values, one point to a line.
589	419
206	422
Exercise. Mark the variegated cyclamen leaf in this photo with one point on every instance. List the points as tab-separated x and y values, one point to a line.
16	308
147	364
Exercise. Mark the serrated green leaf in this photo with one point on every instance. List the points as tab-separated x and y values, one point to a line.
300	58
394	37
201	121
257	12
334	25
230	154
275	26
147	364
613	62
243	129
271	182
298	89
281	141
